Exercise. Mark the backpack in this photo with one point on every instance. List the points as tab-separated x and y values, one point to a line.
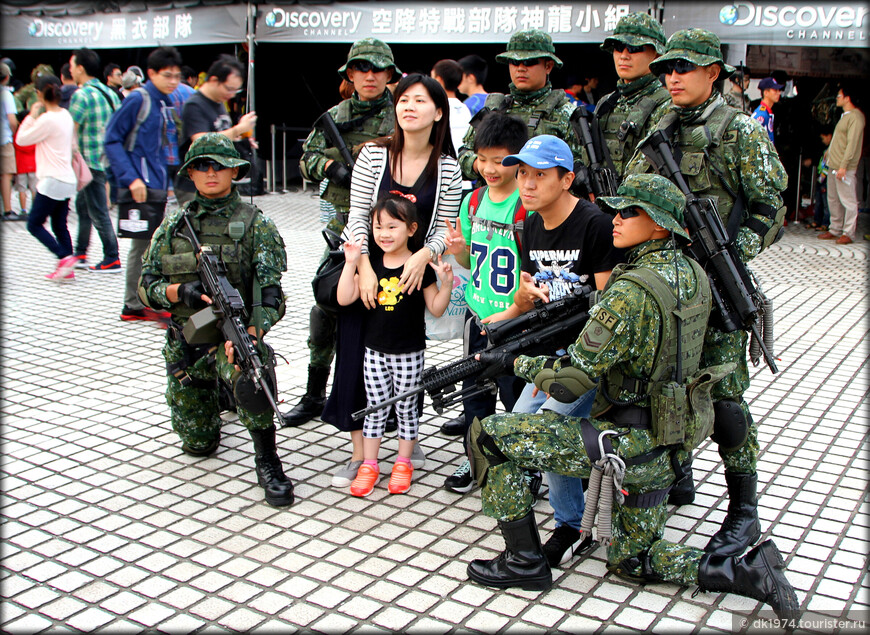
516	227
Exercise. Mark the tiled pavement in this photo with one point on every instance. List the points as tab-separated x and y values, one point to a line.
107	526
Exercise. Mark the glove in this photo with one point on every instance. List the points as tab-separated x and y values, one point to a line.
190	294
498	362
339	174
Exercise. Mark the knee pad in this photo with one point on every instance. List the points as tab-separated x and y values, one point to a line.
636	569
482	451
321	326
730	425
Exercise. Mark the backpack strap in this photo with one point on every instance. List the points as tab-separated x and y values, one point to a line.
144	111
105	96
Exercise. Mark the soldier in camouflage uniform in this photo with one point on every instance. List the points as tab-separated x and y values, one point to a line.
727	157
626	115
737	97
630	343
253	252
367	115
25	97
531	56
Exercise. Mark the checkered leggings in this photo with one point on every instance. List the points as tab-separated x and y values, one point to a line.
386	375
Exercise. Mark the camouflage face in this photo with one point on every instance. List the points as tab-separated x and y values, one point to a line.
656	195
637	29
698	46
217	147
527	45
372	50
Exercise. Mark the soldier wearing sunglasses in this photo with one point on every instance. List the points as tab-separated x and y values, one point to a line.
728	158
366	115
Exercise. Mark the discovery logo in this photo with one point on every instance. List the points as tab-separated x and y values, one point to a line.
69	30
789	16
313	21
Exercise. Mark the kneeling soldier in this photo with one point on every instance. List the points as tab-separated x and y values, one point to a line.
642	349
251	249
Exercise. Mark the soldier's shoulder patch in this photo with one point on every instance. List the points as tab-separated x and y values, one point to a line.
599	330
729	137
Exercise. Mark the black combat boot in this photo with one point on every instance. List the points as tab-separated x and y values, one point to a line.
522	563
741	527
683	491
270	474
759	575
311	404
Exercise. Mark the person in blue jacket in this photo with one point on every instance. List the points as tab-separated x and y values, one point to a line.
143	166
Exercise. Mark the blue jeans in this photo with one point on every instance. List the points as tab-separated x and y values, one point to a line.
566	492
43	208
821	215
93	210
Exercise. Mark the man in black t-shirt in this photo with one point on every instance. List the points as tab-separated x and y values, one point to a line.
567	241
205	112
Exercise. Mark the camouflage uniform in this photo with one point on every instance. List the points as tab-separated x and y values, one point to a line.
358	121
545	111
26	95
740	101
641	103
169	259
739	159
621	336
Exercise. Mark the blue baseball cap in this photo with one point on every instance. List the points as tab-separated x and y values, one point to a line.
544	151
769	82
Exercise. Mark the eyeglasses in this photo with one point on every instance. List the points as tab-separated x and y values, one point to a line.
364	66
530	62
168	75
680	67
619	47
628	212
231	91
205	165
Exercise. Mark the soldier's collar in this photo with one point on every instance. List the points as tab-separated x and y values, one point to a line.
207	205
701	112
526	97
360	104
632	254
629	88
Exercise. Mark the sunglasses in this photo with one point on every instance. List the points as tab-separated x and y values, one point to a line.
628	212
206	164
679	67
619	47
532	62
364	66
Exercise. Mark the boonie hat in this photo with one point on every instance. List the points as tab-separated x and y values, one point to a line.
697	46
375	51
544	151
40	70
528	45
217	147
130	80
637	29
657	196
769	82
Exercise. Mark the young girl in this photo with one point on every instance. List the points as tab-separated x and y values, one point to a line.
50	127
394	335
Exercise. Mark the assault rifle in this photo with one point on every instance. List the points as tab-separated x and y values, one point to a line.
327	126
598	179
543	325
736	299
228	308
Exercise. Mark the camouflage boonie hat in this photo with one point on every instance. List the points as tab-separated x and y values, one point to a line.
40	70
218	147
637	29
657	196
697	46
375	51
528	45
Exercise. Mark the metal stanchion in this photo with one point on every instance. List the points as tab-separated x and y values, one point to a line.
797	207
268	176
284	189
272	128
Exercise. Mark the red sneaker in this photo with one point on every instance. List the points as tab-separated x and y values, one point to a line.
400	478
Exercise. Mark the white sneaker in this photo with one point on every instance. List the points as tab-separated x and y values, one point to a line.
418	458
345	475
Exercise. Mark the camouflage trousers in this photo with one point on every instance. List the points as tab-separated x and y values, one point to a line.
551	442
322	322
720	348
194	408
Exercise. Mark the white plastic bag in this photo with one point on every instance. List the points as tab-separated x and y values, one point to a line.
451	324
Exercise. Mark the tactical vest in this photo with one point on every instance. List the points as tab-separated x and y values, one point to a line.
623	126
213	230
499	102
380	124
674	407
702	163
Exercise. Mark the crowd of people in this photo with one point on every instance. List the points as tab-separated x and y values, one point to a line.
505	184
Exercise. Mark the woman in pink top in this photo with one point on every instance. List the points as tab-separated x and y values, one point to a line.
50	128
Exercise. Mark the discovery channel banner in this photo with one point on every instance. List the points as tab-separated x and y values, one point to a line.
200	25
835	24
414	23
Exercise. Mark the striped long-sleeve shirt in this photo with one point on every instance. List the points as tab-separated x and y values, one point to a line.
369	170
